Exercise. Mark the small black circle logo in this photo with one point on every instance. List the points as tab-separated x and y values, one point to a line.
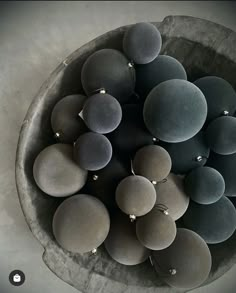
17	278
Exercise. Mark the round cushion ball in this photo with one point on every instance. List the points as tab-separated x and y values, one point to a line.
156	230
81	223
152	162
221	135
214	222
108	69
175	110
122	243
135	195
65	120
189	256
102	113
56	173
142	42
92	151
204	185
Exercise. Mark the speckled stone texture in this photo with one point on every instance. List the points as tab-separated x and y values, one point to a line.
204	48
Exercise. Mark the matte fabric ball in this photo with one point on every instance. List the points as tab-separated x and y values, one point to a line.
56	173
142	42
156	230
135	195
65	120
92	151
204	185
219	94
188	155
215	222
171	194
152	162
103	183
81	223
122	243
221	135
226	165
102	113
161	69
108	69
189	255
175	110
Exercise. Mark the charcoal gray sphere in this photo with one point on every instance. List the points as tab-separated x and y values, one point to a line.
142	42
81	223
219	94
226	165
204	185
122	243
65	120
152	162
102	113
56	173
189	255
175	110
135	195
215	222
221	135
189	154
156	230
92	151
171	194
161	69
108	69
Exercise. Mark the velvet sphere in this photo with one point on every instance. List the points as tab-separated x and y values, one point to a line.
142	42
204	185
92	151
108	69
122	243
219	94
56	173
102	113
161	69
221	135
189	256
135	195
156	230
152	162
214	222
175	110
81	223
171	194
65	120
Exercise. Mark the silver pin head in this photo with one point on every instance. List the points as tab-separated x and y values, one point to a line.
94	251
199	158
95	177
173	272
131	64
166	212
102	91
132	218
225	113
57	135
154	139
154	182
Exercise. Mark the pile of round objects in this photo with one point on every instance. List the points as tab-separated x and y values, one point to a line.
145	161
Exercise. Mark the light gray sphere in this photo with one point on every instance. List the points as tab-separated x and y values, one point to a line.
81	223
56	173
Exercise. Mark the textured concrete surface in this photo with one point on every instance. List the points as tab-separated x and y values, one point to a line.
35	37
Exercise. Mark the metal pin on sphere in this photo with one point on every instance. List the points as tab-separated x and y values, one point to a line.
225	113
199	158
173	272
166	212
95	177
57	135
131	64
154	182
132	218
94	251
102	91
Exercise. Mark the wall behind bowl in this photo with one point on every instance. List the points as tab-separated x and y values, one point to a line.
34	38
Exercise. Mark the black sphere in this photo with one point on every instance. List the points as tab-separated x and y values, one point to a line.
221	135
161	69
102	113
142	42
65	120
204	185
108	69
215	222
175	110
92	151
189	154
219	94
122	243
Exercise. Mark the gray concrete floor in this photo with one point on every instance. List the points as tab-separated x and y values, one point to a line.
34	38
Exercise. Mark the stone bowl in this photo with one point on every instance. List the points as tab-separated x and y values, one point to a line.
204	48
